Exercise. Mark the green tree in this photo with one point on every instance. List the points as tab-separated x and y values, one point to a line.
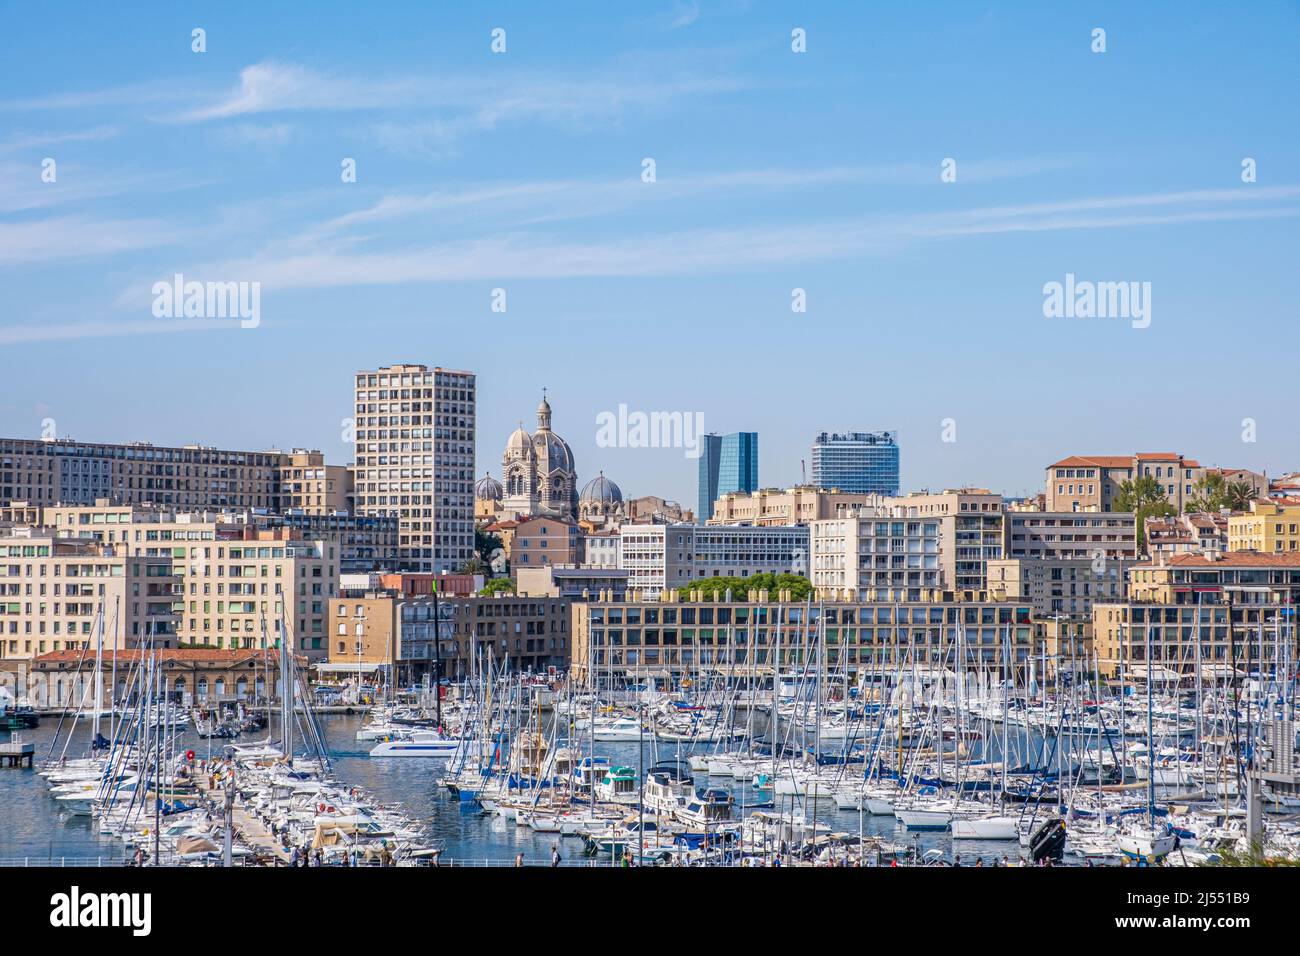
495	585
799	586
1209	493
1237	495
1146	499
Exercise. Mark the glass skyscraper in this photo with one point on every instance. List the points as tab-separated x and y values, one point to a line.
727	463
861	462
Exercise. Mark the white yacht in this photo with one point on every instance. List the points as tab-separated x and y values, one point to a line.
422	743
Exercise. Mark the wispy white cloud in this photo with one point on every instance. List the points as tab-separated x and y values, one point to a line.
35	140
460	102
68	238
684	14
20	334
712	251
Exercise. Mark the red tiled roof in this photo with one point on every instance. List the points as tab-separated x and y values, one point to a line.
1231	559
1096	461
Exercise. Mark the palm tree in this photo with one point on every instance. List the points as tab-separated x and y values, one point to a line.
1237	495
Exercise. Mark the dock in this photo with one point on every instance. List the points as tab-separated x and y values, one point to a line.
15	753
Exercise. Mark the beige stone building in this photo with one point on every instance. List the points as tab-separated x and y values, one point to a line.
190	676
1090	482
309	485
539	541
415	458
1059	586
56	594
240	584
1182	605
798	505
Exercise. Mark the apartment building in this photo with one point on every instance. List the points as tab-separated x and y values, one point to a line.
629	640
970	531
1271	526
1231	611
309	486
1079	535
385	630
1090	482
1066	587
241	586
669	556
414	432
58	594
539	541
875	548
799	505
190	477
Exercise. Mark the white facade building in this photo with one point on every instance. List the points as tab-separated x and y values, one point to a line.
671	556
876	548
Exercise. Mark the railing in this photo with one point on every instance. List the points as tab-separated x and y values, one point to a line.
587	863
61	861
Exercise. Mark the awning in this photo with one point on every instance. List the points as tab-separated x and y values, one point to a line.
332	667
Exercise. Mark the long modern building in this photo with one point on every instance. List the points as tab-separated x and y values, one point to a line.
190	477
728	463
616	641
862	462
1070	534
414	429
657	557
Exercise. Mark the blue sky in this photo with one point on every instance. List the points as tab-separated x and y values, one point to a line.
775	171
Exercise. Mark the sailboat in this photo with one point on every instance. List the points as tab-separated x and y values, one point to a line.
1148	843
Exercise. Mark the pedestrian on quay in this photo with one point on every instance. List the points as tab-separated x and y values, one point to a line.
320	857
519	859
293	857
555	855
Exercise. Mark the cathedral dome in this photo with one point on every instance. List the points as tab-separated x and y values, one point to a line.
519	442
488	488
554	450
600	490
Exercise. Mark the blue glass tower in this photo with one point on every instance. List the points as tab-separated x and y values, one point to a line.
727	463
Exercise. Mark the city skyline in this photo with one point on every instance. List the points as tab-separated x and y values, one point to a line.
523	172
